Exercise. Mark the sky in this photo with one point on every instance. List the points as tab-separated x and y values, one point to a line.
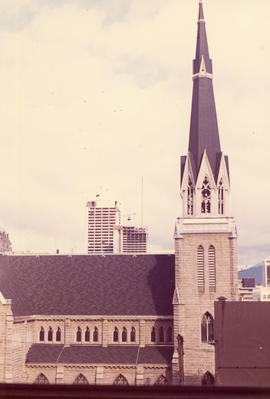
95	98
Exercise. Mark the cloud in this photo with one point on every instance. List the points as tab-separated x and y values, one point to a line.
97	94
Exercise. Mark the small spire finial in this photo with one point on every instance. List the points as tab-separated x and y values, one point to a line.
201	16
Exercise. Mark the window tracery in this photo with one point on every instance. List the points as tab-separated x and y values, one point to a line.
190	197
81	379
120	380
208	379
207	328
206	196
161	380
41	379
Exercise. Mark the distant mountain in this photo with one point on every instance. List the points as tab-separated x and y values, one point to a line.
253	272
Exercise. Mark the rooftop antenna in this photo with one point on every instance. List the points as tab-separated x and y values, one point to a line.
142	203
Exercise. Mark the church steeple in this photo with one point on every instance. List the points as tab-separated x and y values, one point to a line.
204	135
205	171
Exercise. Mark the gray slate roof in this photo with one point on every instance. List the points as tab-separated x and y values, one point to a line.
88	284
87	354
204	133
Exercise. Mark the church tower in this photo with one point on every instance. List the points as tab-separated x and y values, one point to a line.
205	236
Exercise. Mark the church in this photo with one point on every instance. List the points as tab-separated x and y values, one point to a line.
132	319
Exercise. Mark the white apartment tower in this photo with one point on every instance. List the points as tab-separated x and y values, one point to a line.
102	219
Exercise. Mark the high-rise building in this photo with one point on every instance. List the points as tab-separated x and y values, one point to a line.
133	239
5	243
102	219
205	236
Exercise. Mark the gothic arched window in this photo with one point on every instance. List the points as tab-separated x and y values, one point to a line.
87	335
124	335
161	380
81	379
207	328
41	334
208	379
50	334
41	379
200	268
212	268
169	334
79	334
153	335
115	335
58	334
161	334
120	380
206	196
190	195
95	335
133	335
220	198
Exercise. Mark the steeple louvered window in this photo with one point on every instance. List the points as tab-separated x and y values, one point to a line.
206	196
220	198
190	197
212	268
200	268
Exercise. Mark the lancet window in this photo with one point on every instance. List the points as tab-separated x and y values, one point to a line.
115	335
169	334
208	379
41	334
80	379
200	268
207	328
124	335
161	380
87	334
220	198
153	335
58	334
206	196
50	334
190	197
41	379
161	334
120	380
95	335
79	334
133	335
212	268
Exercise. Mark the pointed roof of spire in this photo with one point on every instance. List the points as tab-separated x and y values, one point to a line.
203	126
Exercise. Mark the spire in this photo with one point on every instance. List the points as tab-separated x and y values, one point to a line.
204	134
